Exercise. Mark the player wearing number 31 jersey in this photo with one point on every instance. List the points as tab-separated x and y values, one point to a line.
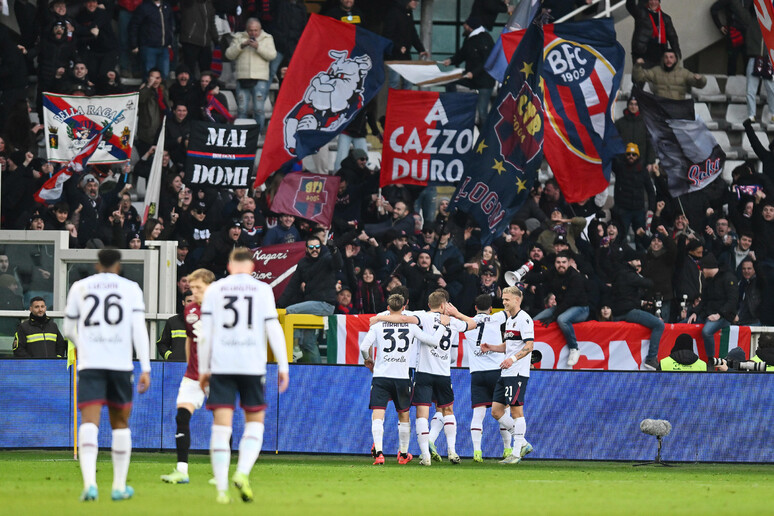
391	374
105	318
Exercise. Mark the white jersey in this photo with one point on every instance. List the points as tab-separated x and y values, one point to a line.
438	360
413	356
235	313
105	318
394	342
487	331
518	330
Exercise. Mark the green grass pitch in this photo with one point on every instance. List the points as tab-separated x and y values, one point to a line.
49	483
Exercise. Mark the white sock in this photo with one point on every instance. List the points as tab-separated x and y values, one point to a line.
250	446
506	436
477	427
423	434
377	431
220	455
87	453
404	434
436	425
520	430
122	455
507	424
450	429
182	467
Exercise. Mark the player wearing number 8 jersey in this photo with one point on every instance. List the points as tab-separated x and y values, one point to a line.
105	319
391	374
238	316
512	385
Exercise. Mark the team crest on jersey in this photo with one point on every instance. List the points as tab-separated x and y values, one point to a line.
520	126
191	317
331	99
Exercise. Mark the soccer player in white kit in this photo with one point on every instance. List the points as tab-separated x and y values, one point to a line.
512	385
238	316
105	318
190	396
391	374
484	374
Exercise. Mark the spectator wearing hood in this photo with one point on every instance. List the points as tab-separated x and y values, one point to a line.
487	11
215	257
668	80
98	44
751	290
658	265
653	32
400	29
682	357
719	299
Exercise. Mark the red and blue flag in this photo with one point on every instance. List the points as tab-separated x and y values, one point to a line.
500	171
581	74
336	70
51	191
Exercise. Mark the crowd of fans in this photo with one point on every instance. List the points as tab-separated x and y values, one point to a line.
706	256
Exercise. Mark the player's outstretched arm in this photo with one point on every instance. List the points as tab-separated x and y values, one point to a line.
428	339
396	318
453	312
497	348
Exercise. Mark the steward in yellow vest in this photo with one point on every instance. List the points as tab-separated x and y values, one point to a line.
682	357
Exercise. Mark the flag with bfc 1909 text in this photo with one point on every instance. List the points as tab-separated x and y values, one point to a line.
221	155
427	136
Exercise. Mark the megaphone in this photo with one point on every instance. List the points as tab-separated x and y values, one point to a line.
513	277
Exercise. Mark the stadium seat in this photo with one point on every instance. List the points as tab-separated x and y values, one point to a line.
736	89
746	146
766	119
710	92
230	101
736	114
722	138
703	112
244	121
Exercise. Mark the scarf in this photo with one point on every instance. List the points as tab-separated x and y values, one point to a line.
160	99
657	33
265	11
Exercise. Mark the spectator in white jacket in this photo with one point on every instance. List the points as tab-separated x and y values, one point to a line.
252	51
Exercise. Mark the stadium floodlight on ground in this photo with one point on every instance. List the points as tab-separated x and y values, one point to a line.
658	428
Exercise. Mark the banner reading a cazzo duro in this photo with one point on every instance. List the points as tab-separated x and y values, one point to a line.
427	137
221	155
71	122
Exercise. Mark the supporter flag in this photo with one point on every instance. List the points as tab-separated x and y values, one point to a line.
309	196
582	73
500	171
688	153
153	189
764	10
275	264
70	122
524	13
336	70
51	191
221	155
426	136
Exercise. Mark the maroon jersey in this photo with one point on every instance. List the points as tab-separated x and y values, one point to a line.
191	315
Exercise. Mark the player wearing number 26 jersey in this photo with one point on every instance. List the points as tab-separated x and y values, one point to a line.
105	319
391	374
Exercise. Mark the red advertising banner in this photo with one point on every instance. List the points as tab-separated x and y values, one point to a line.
603	345
309	196
275	264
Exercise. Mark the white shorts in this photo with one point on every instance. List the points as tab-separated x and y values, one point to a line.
191	393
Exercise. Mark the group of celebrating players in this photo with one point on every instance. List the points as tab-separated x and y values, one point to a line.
228	325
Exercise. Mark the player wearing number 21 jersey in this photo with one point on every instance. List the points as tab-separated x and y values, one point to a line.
391	374
238	316
105	318
512	385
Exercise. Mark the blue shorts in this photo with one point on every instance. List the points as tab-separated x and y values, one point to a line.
510	390
105	387
482	387
224	388
432	388
385	389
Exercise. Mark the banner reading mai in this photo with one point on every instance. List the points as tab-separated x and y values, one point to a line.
221	155
426	137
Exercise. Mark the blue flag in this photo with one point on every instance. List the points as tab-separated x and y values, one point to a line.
502	167
497	62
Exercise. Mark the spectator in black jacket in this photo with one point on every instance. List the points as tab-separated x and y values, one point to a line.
38	336
631	127
487	11
659	267
400	29
13	73
653	32
197	33
475	50
150	34
98	44
219	247
632	187
572	305
750	295
719	298
289	23
312	290
628	288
